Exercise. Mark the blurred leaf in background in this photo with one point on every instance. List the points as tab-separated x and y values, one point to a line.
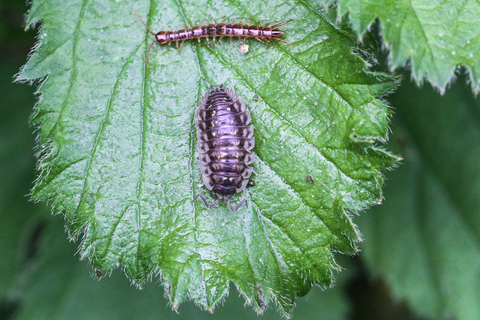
425	239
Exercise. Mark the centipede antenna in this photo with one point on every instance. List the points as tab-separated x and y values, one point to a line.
140	18
148	52
238	206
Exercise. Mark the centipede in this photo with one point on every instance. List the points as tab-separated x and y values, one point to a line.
262	33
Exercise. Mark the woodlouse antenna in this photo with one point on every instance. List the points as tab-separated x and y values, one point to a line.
213	204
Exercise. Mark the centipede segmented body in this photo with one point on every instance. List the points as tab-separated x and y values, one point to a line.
263	33
225	141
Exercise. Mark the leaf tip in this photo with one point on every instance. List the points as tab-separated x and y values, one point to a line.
442	91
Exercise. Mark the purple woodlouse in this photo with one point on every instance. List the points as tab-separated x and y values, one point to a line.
240	30
225	141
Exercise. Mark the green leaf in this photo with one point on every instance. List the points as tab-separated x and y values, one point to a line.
425	239
118	148
434	37
59	287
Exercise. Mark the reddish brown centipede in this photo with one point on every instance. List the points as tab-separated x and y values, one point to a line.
240	30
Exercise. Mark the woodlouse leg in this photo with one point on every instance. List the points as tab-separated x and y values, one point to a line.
238	206
209	206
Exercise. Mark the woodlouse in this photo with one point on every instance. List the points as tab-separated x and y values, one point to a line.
225	141
240	30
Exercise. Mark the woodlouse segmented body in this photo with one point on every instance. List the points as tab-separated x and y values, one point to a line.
240	30
225	141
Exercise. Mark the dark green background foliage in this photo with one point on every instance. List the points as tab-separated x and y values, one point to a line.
420	248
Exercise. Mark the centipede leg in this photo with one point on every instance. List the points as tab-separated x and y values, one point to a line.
209	206
281	23
181	44
281	40
238	206
261	41
266	40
